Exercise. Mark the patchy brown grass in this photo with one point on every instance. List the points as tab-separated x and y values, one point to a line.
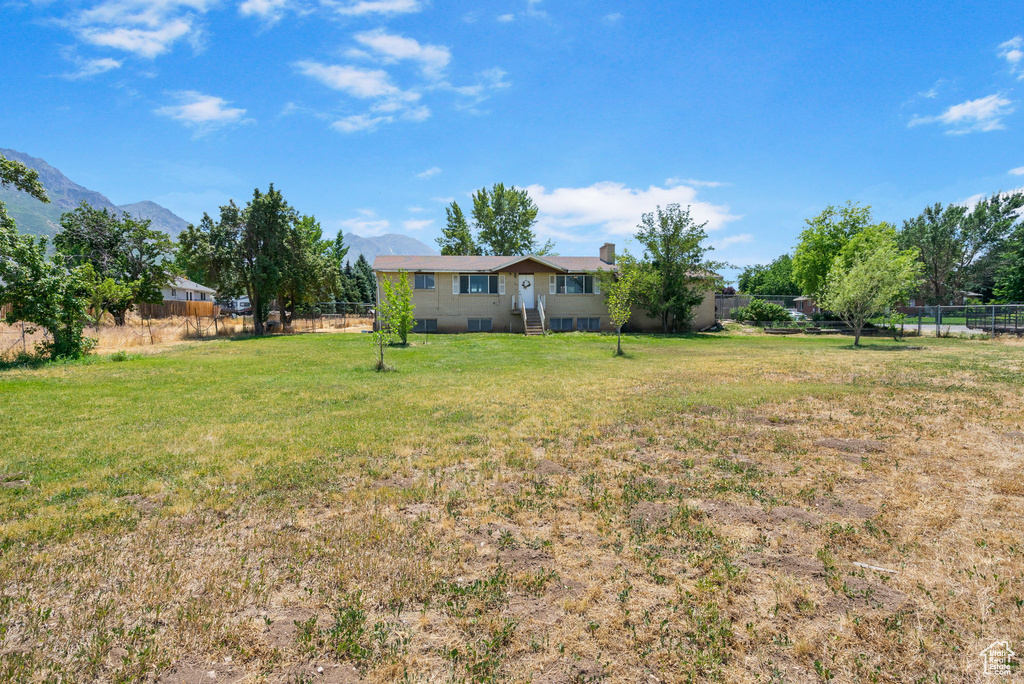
503	509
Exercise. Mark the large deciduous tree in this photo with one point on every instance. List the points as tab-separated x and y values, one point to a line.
870	275
961	248
675	273
775	278
121	249
245	251
456	237
311	269
39	291
821	242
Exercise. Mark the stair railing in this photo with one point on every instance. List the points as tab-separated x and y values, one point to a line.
540	310
522	310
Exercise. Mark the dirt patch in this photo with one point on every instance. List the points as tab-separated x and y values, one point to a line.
844	508
858	592
421	509
852	446
14	480
1016	437
535	610
318	673
724	511
790	563
525	559
652	513
793	514
145	504
751	417
395	482
492	534
193	672
549	467
280	633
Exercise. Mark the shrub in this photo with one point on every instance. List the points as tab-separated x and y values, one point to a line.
761	311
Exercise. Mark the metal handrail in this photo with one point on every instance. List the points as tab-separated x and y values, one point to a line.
540	310
522	310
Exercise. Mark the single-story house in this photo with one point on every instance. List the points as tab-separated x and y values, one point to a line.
806	305
184	290
514	293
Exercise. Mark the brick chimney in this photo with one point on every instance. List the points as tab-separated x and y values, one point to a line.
608	253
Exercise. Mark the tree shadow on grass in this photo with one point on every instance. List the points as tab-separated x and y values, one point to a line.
875	346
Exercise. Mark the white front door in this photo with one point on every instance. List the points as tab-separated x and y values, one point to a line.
526	290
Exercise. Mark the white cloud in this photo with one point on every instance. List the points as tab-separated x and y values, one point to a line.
983	114
366	224
609	209
92	67
730	240
380	7
433	171
361	83
613	18
360	122
147	28
268	10
533	9
392	48
693	182
204	112
505	18
415	210
1013	52
417	224
1019	171
143	42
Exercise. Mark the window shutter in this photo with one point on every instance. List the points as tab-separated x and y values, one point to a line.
597	285
455	283
551	284
501	284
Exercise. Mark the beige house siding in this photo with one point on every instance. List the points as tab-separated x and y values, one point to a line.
452	311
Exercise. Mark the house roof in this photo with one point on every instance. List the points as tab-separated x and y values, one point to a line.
180	283
485	264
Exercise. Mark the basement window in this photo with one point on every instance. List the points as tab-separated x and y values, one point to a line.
425	325
588	323
479	324
561	324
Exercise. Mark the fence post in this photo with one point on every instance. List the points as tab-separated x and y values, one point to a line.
938	321
918	321
993	320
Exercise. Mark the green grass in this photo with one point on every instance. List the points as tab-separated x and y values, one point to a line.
223	478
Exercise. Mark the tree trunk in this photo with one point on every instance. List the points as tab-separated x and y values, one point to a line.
257	315
119	316
664	322
619	342
856	335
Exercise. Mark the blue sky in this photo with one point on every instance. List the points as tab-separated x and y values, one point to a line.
373	114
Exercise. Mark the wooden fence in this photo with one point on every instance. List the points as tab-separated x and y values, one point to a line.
4	310
176	308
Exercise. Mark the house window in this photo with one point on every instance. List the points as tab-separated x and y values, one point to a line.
558	324
588	323
478	284
424	281
174	294
425	325
575	284
479	324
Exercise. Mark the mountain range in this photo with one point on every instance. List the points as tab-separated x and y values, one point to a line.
34	217
389	243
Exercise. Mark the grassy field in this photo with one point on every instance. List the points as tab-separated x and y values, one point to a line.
502	508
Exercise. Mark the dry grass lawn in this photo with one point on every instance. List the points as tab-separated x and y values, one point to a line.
499	508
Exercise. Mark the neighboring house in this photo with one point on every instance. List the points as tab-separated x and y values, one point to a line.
184	290
514	293
806	305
